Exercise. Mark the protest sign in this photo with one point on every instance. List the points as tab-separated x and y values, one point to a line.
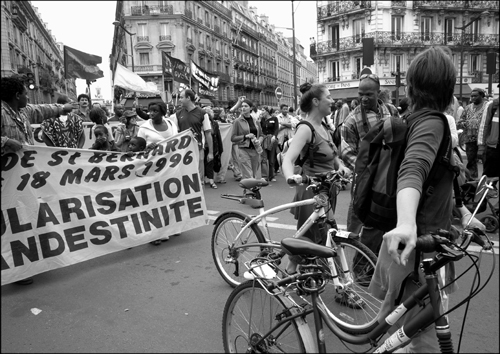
64	206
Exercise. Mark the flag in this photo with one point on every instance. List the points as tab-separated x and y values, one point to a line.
175	68
80	65
129	80
210	82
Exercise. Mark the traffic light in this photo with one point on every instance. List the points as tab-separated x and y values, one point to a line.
30	78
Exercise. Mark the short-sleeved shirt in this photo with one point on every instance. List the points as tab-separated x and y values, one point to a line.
196	119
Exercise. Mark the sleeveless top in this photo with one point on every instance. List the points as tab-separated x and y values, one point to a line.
325	151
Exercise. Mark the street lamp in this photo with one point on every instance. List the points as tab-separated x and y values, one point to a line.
294	59
118	24
462	46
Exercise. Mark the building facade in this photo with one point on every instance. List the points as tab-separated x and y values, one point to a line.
28	46
224	38
401	30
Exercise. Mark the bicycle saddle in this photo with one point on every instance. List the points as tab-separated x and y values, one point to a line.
249	183
295	247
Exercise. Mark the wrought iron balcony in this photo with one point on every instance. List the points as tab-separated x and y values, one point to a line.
167	37
142	38
188	13
404	39
333	78
19	19
342	7
223	77
460	4
200	20
217	29
218	6
478	77
152	10
398	3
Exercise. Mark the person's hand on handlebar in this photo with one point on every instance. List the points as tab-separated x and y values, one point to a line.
406	234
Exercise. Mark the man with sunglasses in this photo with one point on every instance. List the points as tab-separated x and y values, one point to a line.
370	111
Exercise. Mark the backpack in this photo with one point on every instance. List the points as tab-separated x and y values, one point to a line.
299	162
377	165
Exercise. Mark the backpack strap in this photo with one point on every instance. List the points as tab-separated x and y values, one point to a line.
310	152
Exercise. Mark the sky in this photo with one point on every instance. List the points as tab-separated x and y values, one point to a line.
88	26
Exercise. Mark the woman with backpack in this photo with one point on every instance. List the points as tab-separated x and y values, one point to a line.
313	144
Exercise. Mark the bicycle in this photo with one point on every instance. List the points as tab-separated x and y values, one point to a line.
260	315
237	238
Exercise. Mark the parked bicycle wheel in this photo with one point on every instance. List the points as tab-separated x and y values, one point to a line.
352	308
251	312
230	262
490	222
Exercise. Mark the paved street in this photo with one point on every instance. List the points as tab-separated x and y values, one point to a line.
170	298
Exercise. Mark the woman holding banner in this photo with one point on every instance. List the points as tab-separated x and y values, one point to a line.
154	130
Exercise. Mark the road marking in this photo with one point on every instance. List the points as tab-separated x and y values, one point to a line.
471	248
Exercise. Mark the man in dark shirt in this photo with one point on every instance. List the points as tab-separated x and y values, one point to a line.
195	118
270	128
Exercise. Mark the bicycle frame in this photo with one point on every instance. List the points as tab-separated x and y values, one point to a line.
317	214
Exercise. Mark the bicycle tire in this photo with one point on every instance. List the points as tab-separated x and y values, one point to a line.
224	233
490	222
461	141
252	309
341	307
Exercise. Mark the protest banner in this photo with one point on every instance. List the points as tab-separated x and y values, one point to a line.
65	206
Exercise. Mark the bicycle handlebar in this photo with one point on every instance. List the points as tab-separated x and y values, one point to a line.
433	242
319	178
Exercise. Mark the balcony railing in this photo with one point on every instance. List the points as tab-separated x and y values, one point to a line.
219	7
200	20
217	29
152	10
166	37
342	7
478	77
408	39
223	77
142	38
188	13
19	19
460	4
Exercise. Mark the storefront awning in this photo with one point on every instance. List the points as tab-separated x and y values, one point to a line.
465	90
347	93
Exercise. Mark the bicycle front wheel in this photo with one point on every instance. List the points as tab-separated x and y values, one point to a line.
230	261
249	315
351	306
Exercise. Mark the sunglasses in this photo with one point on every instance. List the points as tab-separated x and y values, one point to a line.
370	76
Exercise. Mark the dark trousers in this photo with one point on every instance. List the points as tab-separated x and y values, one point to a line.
209	166
471	152
268	160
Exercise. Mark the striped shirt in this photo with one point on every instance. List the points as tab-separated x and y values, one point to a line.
352	131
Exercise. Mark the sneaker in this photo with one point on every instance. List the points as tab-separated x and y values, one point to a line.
350	299
273	180
237	179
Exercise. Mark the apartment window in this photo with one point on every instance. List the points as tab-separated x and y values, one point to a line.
144	58
189	33
474	63
335	71
425	28
164	29
335	36
358	65
397	28
358	30
208	42
474	32
207	19
142	29
449	29
397	62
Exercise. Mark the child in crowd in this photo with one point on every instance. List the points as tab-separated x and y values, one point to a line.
102	140
136	144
